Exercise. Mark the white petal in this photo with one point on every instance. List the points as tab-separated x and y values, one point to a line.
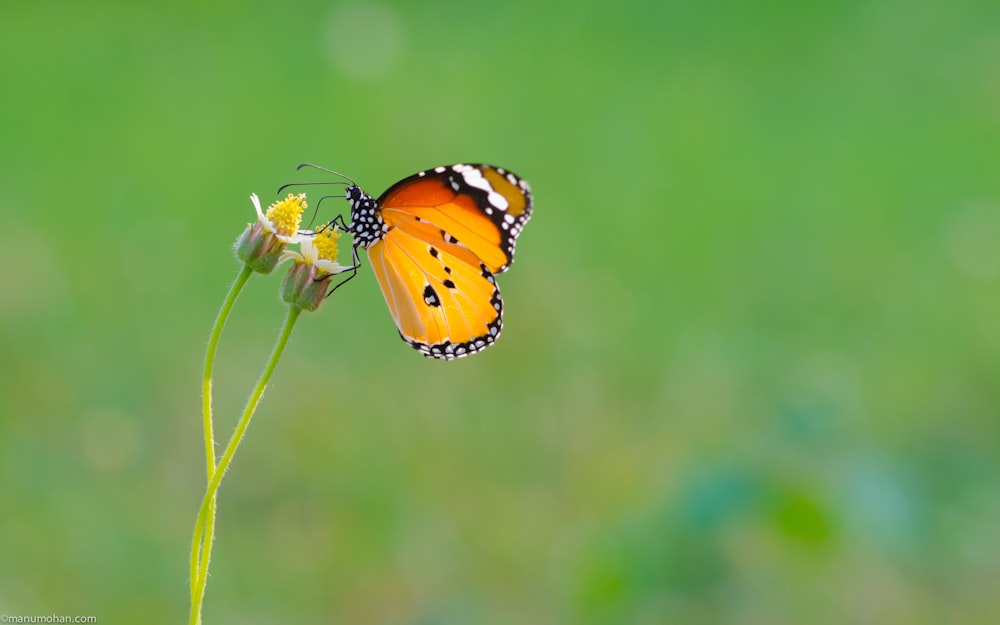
330	267
290	255
256	205
309	252
298	237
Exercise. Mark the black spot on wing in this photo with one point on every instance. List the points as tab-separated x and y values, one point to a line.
431	297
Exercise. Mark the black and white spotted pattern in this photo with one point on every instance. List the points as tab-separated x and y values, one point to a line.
367	227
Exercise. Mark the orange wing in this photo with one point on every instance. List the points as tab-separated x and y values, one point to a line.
482	206
448	231
445	301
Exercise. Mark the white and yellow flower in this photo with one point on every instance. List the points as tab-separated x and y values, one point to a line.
308	280
263	242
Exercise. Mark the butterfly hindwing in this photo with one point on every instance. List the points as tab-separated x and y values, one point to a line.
445	302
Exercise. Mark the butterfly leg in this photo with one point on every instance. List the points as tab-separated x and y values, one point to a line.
353	270
338	223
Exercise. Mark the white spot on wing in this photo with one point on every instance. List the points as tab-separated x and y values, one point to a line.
499	201
474	178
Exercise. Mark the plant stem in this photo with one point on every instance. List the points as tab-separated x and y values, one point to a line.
206	406
202	556
213	343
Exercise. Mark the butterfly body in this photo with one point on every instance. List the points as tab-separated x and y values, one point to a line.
435	241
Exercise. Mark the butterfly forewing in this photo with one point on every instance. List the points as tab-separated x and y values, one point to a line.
482	206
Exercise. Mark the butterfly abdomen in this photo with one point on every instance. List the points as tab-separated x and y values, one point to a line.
367	226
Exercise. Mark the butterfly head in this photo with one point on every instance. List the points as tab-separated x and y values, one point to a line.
354	193
367	226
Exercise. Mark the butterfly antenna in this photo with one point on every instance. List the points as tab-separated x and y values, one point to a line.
306	184
329	171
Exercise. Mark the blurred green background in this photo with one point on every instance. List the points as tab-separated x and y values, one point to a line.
750	371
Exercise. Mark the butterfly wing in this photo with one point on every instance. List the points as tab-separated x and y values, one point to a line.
449	230
444	300
482	206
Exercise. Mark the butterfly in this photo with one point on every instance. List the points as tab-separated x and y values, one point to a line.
436	241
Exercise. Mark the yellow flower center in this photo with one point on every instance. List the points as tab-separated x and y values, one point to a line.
286	215
326	244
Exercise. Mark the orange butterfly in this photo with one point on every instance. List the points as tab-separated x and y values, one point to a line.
435	241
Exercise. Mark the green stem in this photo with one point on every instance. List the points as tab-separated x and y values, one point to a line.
206	383
206	404
202	556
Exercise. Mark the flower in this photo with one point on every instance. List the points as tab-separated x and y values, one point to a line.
307	282
262	243
318	249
